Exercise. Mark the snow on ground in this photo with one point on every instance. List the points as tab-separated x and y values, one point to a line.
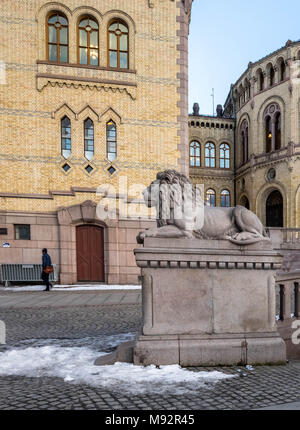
73	362
87	287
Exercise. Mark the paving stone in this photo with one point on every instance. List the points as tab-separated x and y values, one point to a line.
262	387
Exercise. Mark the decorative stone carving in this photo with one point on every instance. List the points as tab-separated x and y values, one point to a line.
220	111
271	175
81	213
181	213
88	210
196	109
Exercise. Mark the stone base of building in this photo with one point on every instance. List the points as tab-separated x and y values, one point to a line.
213	350
208	303
57	231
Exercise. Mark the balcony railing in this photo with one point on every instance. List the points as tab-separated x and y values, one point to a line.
291	236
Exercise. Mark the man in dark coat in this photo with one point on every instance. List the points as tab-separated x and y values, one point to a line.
46	261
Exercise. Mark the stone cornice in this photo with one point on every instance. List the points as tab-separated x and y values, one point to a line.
207	259
206	254
74	75
269	159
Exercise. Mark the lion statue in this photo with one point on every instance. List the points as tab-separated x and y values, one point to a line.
181	214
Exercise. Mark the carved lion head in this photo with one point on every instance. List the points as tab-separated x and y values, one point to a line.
174	197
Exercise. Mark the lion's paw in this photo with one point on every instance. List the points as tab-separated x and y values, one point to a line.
140	237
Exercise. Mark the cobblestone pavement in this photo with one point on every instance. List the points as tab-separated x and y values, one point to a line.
263	387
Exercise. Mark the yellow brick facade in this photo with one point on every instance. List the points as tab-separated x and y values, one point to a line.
147	102
205	129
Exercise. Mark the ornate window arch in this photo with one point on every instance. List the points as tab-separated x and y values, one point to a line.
66	142
225	199
57	37
210	197
281	69
260	80
241	95
271	74
118	44
195	154
277	131
89	139
273	121
210	155
111	140
88	41
247	87
244	136
224	156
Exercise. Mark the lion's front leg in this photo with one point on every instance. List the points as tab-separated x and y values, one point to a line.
168	231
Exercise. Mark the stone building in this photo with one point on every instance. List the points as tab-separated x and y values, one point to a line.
91	93
263	174
212	156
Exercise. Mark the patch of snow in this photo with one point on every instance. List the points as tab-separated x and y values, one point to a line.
278	317
249	367
86	287
75	365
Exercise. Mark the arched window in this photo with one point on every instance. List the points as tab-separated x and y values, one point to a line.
224	156
118	45
57	38
225	199
261	80
66	144
268	134
210	155
272	76
273	122
88	138
195	154
274	209
282	70
88	41
247	87
245	141
278	131
111	140
210	198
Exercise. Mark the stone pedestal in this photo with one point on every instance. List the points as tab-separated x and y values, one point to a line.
208	303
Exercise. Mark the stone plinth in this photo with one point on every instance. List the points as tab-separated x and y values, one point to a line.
208	303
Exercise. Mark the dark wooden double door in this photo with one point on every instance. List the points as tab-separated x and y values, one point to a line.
90	253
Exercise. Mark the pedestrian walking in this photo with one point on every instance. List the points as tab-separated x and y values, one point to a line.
47	269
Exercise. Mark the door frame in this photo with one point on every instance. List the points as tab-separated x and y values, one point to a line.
104	229
267	207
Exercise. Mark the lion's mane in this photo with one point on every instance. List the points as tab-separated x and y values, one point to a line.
176	190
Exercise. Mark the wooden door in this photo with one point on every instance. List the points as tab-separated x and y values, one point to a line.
90	253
